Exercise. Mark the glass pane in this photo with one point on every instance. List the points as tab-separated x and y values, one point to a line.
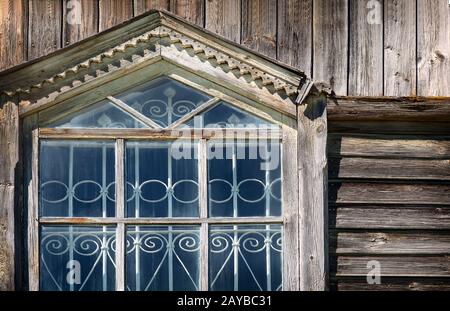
162	179
244	179
164	100
101	115
245	258
163	258
77	179
224	115
75	258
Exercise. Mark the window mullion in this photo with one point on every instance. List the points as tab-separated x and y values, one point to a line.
170	243
33	214
203	203
267	242
120	214
104	228
71	195
235	214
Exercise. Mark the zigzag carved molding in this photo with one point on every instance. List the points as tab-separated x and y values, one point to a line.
146	46
139	48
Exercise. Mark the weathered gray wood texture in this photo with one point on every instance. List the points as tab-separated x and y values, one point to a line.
389	159
359	47
389	193
312	167
9	141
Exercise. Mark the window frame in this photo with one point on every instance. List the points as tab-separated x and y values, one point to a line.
289	220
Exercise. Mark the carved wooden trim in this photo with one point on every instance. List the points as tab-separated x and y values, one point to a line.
170	33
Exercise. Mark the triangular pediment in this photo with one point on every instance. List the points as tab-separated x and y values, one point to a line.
148	39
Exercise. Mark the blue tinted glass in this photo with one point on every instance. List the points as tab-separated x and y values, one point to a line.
246	258
224	115
77	179
163	100
163	258
101	115
75	258
244	179
160	181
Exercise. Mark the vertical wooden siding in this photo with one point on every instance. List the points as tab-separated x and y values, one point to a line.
359	47
12	33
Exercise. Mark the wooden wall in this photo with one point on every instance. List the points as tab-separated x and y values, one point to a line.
403	51
389	189
389	194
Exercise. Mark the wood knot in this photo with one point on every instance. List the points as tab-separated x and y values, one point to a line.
379	239
413	285
320	128
439	56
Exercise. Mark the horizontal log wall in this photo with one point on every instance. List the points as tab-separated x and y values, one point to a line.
389	193
358	47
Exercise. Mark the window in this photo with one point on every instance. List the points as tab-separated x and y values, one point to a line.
163	187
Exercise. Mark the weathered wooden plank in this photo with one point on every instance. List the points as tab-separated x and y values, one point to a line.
259	26
7	250
142	6
291	214
222	78
12	33
28	125
9	157
390	243
389	128
120	213
9	143
393	266
312	165
295	34
224	18
114	12
366	48
330	44
389	109
44	29
120	257
161	134
203	209
80	20
400	48
433	45
392	284
388	146
191	10
372	168
161	221
36	72
33	215
387	193
390	217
